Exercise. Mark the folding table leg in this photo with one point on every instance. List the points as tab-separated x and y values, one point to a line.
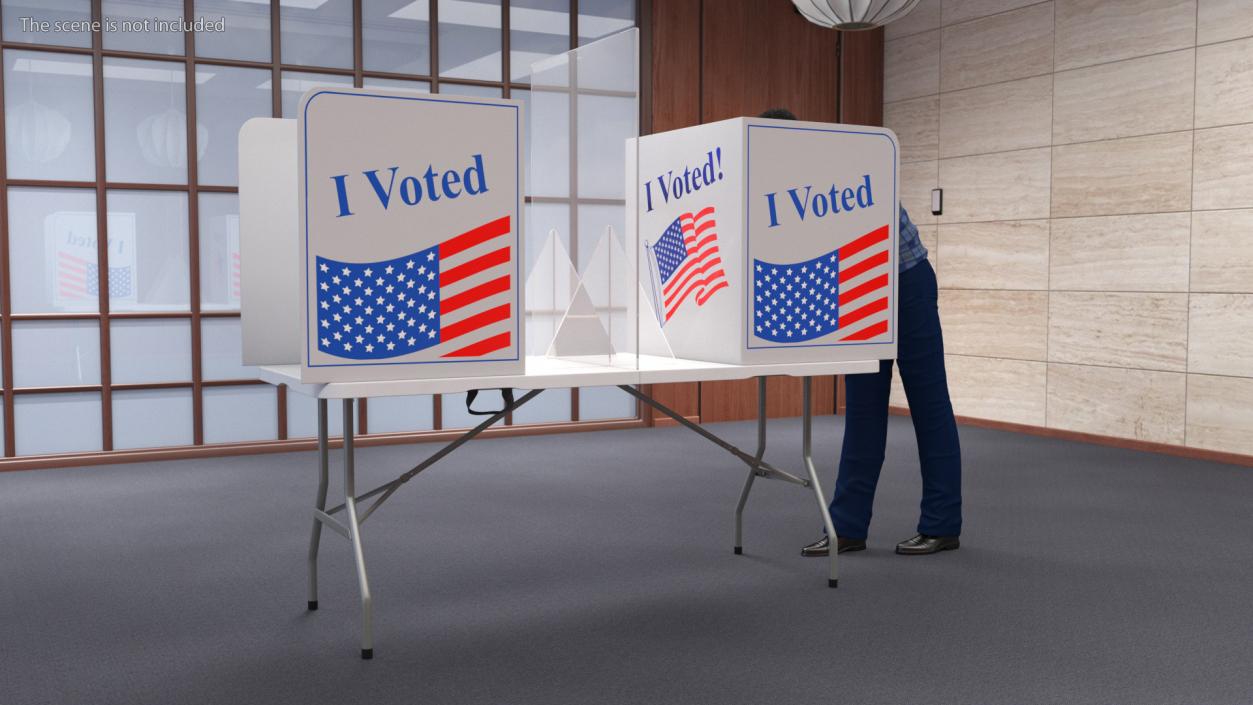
754	467
315	539
354	534
807	426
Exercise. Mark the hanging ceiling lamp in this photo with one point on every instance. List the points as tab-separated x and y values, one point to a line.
39	132
163	139
853	14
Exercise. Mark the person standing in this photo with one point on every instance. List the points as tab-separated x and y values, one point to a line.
920	356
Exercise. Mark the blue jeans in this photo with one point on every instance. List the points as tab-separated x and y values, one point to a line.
920	354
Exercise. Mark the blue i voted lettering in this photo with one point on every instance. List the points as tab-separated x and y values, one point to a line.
804	201
432	185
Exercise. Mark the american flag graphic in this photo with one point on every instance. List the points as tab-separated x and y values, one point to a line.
454	297
688	263
79	279
844	290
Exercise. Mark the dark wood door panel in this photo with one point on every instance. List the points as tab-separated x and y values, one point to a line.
758	55
737	400
675	70
682	397
861	78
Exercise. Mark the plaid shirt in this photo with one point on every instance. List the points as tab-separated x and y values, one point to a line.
912	250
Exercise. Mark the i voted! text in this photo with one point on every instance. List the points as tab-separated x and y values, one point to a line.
675	186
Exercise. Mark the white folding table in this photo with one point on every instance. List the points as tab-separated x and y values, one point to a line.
627	372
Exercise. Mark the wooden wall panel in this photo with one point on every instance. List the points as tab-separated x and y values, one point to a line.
675	37
733	401
861	78
767	56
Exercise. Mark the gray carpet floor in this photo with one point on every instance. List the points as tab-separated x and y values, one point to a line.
597	568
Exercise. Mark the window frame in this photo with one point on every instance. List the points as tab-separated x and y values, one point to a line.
194	314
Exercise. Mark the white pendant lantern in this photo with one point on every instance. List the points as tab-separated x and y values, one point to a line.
163	139
39	132
853	14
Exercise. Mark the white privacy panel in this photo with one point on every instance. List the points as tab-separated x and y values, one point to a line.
268	242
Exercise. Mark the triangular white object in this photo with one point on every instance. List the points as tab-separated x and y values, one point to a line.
550	289
652	337
609	277
580	332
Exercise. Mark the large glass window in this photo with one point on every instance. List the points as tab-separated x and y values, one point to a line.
122	213
248	38
32	22
396	36
317	32
469	39
48	116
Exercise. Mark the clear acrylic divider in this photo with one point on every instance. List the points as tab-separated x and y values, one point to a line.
582	269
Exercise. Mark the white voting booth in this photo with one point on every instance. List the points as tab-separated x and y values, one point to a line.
386	252
770	241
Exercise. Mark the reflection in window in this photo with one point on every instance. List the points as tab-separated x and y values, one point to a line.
129	34
148	251
469	39
248	30
316	32
295	83
219	252
538	29
145	121
52	250
395	36
48	116
224	101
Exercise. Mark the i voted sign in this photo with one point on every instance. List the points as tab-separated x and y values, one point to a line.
409	210
770	241
821	235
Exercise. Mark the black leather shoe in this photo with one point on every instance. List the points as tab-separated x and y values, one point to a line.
822	547
922	545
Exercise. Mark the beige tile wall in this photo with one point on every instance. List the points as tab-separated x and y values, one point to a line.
1095	254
